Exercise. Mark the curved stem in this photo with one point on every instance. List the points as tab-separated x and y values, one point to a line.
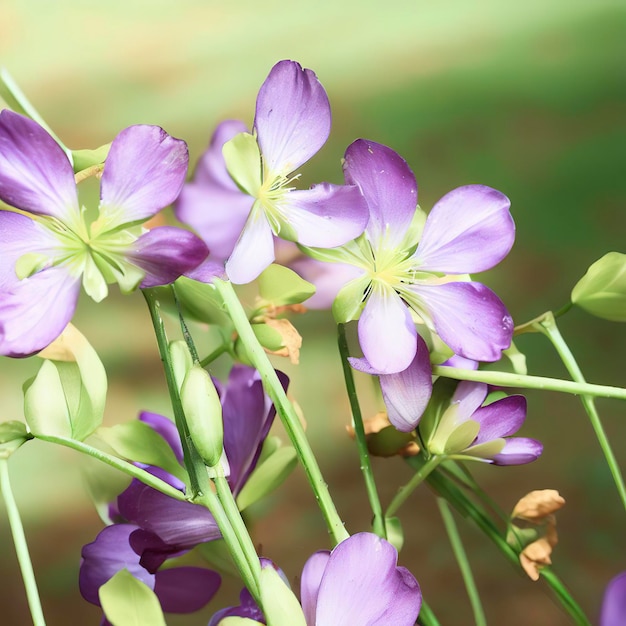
378	523
505	379
284	408
549	328
405	491
461	558
21	547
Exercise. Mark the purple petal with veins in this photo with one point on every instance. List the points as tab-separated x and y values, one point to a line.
500	418
518	450
387	183
469	318
292	117
143	173
35	173
469	230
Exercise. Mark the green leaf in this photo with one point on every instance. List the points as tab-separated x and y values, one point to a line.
137	441
267	476
350	300
282	286
127	601
12	435
280	605
243	162
602	290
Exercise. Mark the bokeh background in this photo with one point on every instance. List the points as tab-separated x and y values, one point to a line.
527	97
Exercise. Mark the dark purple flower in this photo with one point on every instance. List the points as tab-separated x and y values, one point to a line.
52	245
242	194
614	603
469	430
469	230
179	589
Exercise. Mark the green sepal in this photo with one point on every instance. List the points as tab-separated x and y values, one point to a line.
350	300
281	286
139	442
442	393
84	159
602	290
181	361
243	162
486	450
268	337
395	532
280	605
30	263
414	231
267	476
200	302
518	538
126	601
387	441
12	435
461	437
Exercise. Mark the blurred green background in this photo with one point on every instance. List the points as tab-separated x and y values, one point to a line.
528	97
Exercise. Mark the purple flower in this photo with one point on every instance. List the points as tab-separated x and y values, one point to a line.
179	589
469	430
359	582
241	195
52	245
469	230
614	604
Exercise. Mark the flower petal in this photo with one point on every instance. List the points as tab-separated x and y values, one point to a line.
469	318
518	451
310	580
35	173
107	555
26	326
386	331
614	603
469	230
185	589
253	252
143	173
292	117
500	418
468	396
362	584
388	185
165	253
325	216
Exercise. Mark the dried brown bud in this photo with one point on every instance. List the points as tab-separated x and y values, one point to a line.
536	505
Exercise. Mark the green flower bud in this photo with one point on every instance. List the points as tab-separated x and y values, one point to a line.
602	290
203	411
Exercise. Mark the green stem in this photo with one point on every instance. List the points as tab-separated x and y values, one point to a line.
461	558
549	328
405	491
446	488
120	464
426	616
505	379
378	522
213	355
21	547
284	408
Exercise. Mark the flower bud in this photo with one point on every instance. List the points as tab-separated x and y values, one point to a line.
203	411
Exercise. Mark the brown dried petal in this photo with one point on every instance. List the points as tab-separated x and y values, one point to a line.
536	505
535	556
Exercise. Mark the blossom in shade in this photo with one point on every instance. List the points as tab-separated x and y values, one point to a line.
471	430
411	267
49	244
358	582
242	194
613	611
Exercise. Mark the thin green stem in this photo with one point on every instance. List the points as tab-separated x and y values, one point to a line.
461	558
284	408
426	616
213	355
21	547
225	496
120	464
378	522
506	379
549	328
405	491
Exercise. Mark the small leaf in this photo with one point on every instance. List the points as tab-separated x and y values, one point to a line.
282	286
139	442
127	601
267	476
280	605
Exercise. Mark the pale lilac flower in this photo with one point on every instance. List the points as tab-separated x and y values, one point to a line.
614	603
51	244
242	194
408	269
468	430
